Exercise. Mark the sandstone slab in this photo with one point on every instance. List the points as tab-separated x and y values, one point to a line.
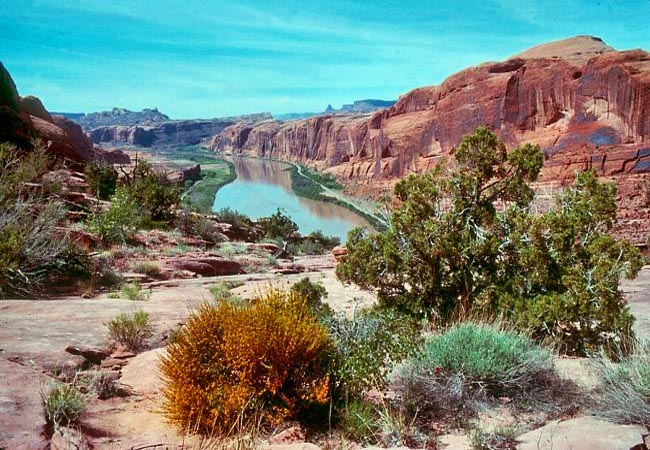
582	432
22	420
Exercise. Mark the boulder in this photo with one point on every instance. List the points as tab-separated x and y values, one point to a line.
93	355
208	266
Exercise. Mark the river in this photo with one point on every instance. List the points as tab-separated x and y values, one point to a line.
263	186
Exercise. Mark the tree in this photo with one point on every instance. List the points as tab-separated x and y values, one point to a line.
443	247
463	239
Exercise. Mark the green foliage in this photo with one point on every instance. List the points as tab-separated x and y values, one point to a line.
367	346
232	361
63	404
134	291
118	223
313	293
471	361
278	226
315	243
152	192
221	292
32	254
215	174
624	395
197	225
102	179
464	240
131	330
241	223
443	249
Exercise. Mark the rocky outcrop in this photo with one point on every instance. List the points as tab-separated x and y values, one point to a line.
585	104
171	133
24	119
208	265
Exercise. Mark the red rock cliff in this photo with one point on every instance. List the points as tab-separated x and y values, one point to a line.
586	104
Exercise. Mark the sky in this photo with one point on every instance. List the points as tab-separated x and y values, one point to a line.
204	59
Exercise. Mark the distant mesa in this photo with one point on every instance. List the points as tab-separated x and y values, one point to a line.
117	116
151	128
358	107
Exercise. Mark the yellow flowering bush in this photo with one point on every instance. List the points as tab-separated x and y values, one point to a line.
235	360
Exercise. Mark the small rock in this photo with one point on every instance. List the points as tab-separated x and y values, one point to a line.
68	438
123	354
113	363
297	446
292	434
94	355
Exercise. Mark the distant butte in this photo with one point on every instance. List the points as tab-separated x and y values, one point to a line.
586	104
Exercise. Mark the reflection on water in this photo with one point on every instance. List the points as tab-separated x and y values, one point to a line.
263	186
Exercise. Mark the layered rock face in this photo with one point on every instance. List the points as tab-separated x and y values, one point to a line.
585	104
170	133
23	119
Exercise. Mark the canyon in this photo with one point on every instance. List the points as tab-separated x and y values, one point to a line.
586	104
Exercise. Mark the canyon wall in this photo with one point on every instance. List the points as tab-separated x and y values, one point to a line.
585	104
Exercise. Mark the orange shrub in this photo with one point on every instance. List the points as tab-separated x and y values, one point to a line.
231	361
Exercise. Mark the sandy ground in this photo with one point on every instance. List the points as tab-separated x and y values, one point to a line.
34	334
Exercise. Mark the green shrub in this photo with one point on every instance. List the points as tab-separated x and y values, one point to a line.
149	268
197	225
118	223
102	180
367	346
241	224
131	330
463	240
221	291
278	226
152	192
134	291
470	362
32	254
314	293
233	361
625	392
63	404
315	243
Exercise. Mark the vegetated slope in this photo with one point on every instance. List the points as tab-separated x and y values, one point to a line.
25	118
586	104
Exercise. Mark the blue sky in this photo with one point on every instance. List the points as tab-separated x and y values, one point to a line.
215	58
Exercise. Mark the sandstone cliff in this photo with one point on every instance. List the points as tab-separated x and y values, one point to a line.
24	119
586	104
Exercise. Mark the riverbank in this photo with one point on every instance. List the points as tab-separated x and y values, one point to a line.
324	188
215	174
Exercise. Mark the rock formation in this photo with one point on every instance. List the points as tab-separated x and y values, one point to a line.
585	104
24	119
118	116
168	133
